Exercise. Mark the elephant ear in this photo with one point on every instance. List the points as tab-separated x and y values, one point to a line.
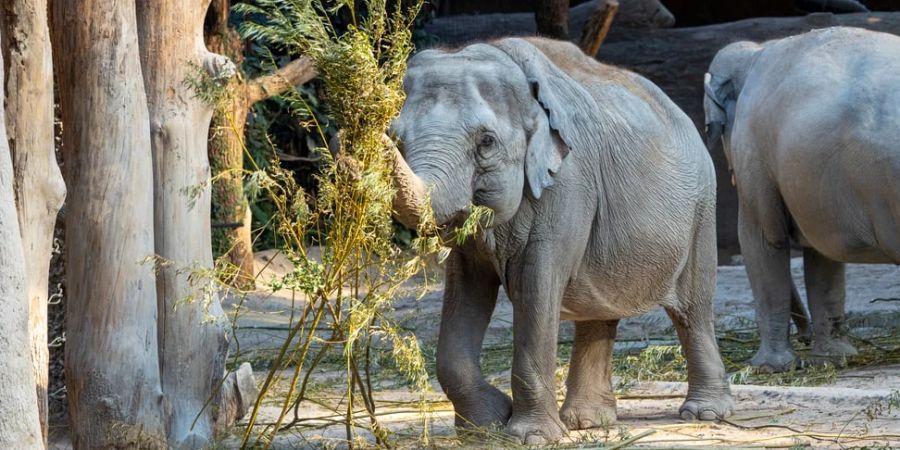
562	113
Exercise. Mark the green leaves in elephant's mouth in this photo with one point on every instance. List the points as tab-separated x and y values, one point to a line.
480	217
439	238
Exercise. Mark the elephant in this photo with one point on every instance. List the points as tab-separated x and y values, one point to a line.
603	197
810	126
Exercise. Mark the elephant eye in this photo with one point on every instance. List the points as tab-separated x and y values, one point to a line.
486	141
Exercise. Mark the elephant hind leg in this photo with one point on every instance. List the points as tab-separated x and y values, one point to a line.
765	242
590	401
826	290
709	395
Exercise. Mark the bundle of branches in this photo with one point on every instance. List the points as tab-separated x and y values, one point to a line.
348	287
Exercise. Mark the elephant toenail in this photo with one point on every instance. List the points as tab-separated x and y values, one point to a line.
535	439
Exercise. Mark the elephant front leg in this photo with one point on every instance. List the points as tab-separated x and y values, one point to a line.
536	301
470	295
590	401
826	290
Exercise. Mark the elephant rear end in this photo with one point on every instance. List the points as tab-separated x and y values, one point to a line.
811	125
831	105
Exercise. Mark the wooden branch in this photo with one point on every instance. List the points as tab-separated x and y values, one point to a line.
297	72
597	28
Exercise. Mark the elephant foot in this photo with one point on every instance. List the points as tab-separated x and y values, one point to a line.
581	417
834	347
487	408
832	351
769	361
535	429
707	407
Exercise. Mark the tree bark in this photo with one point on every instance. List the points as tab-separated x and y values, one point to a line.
552	18
232	232
226	142
20	425
192	341
112	372
39	187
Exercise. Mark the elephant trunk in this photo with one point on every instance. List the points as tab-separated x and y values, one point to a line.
411	192
714	134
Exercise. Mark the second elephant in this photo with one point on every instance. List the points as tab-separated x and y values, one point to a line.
811	127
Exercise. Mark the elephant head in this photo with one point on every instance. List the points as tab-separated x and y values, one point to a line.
487	125
722	85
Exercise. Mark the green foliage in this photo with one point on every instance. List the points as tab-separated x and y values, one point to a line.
345	289
208	89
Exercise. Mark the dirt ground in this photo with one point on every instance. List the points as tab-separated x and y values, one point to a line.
857	407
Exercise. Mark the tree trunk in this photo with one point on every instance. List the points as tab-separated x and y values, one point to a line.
112	373
20	425
231	213
232	232
552	18
39	188
192	341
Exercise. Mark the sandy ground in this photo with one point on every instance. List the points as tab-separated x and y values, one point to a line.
851	412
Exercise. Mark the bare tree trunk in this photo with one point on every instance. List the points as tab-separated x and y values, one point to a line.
112	372
232	231
226	144
39	186
20	425
552	18
192	341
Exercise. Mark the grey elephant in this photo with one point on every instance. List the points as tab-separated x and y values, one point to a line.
811	128
603	196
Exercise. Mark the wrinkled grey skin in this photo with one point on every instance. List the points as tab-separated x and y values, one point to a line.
604	201
811	126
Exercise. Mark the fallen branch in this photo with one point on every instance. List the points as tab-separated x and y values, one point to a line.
631	440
